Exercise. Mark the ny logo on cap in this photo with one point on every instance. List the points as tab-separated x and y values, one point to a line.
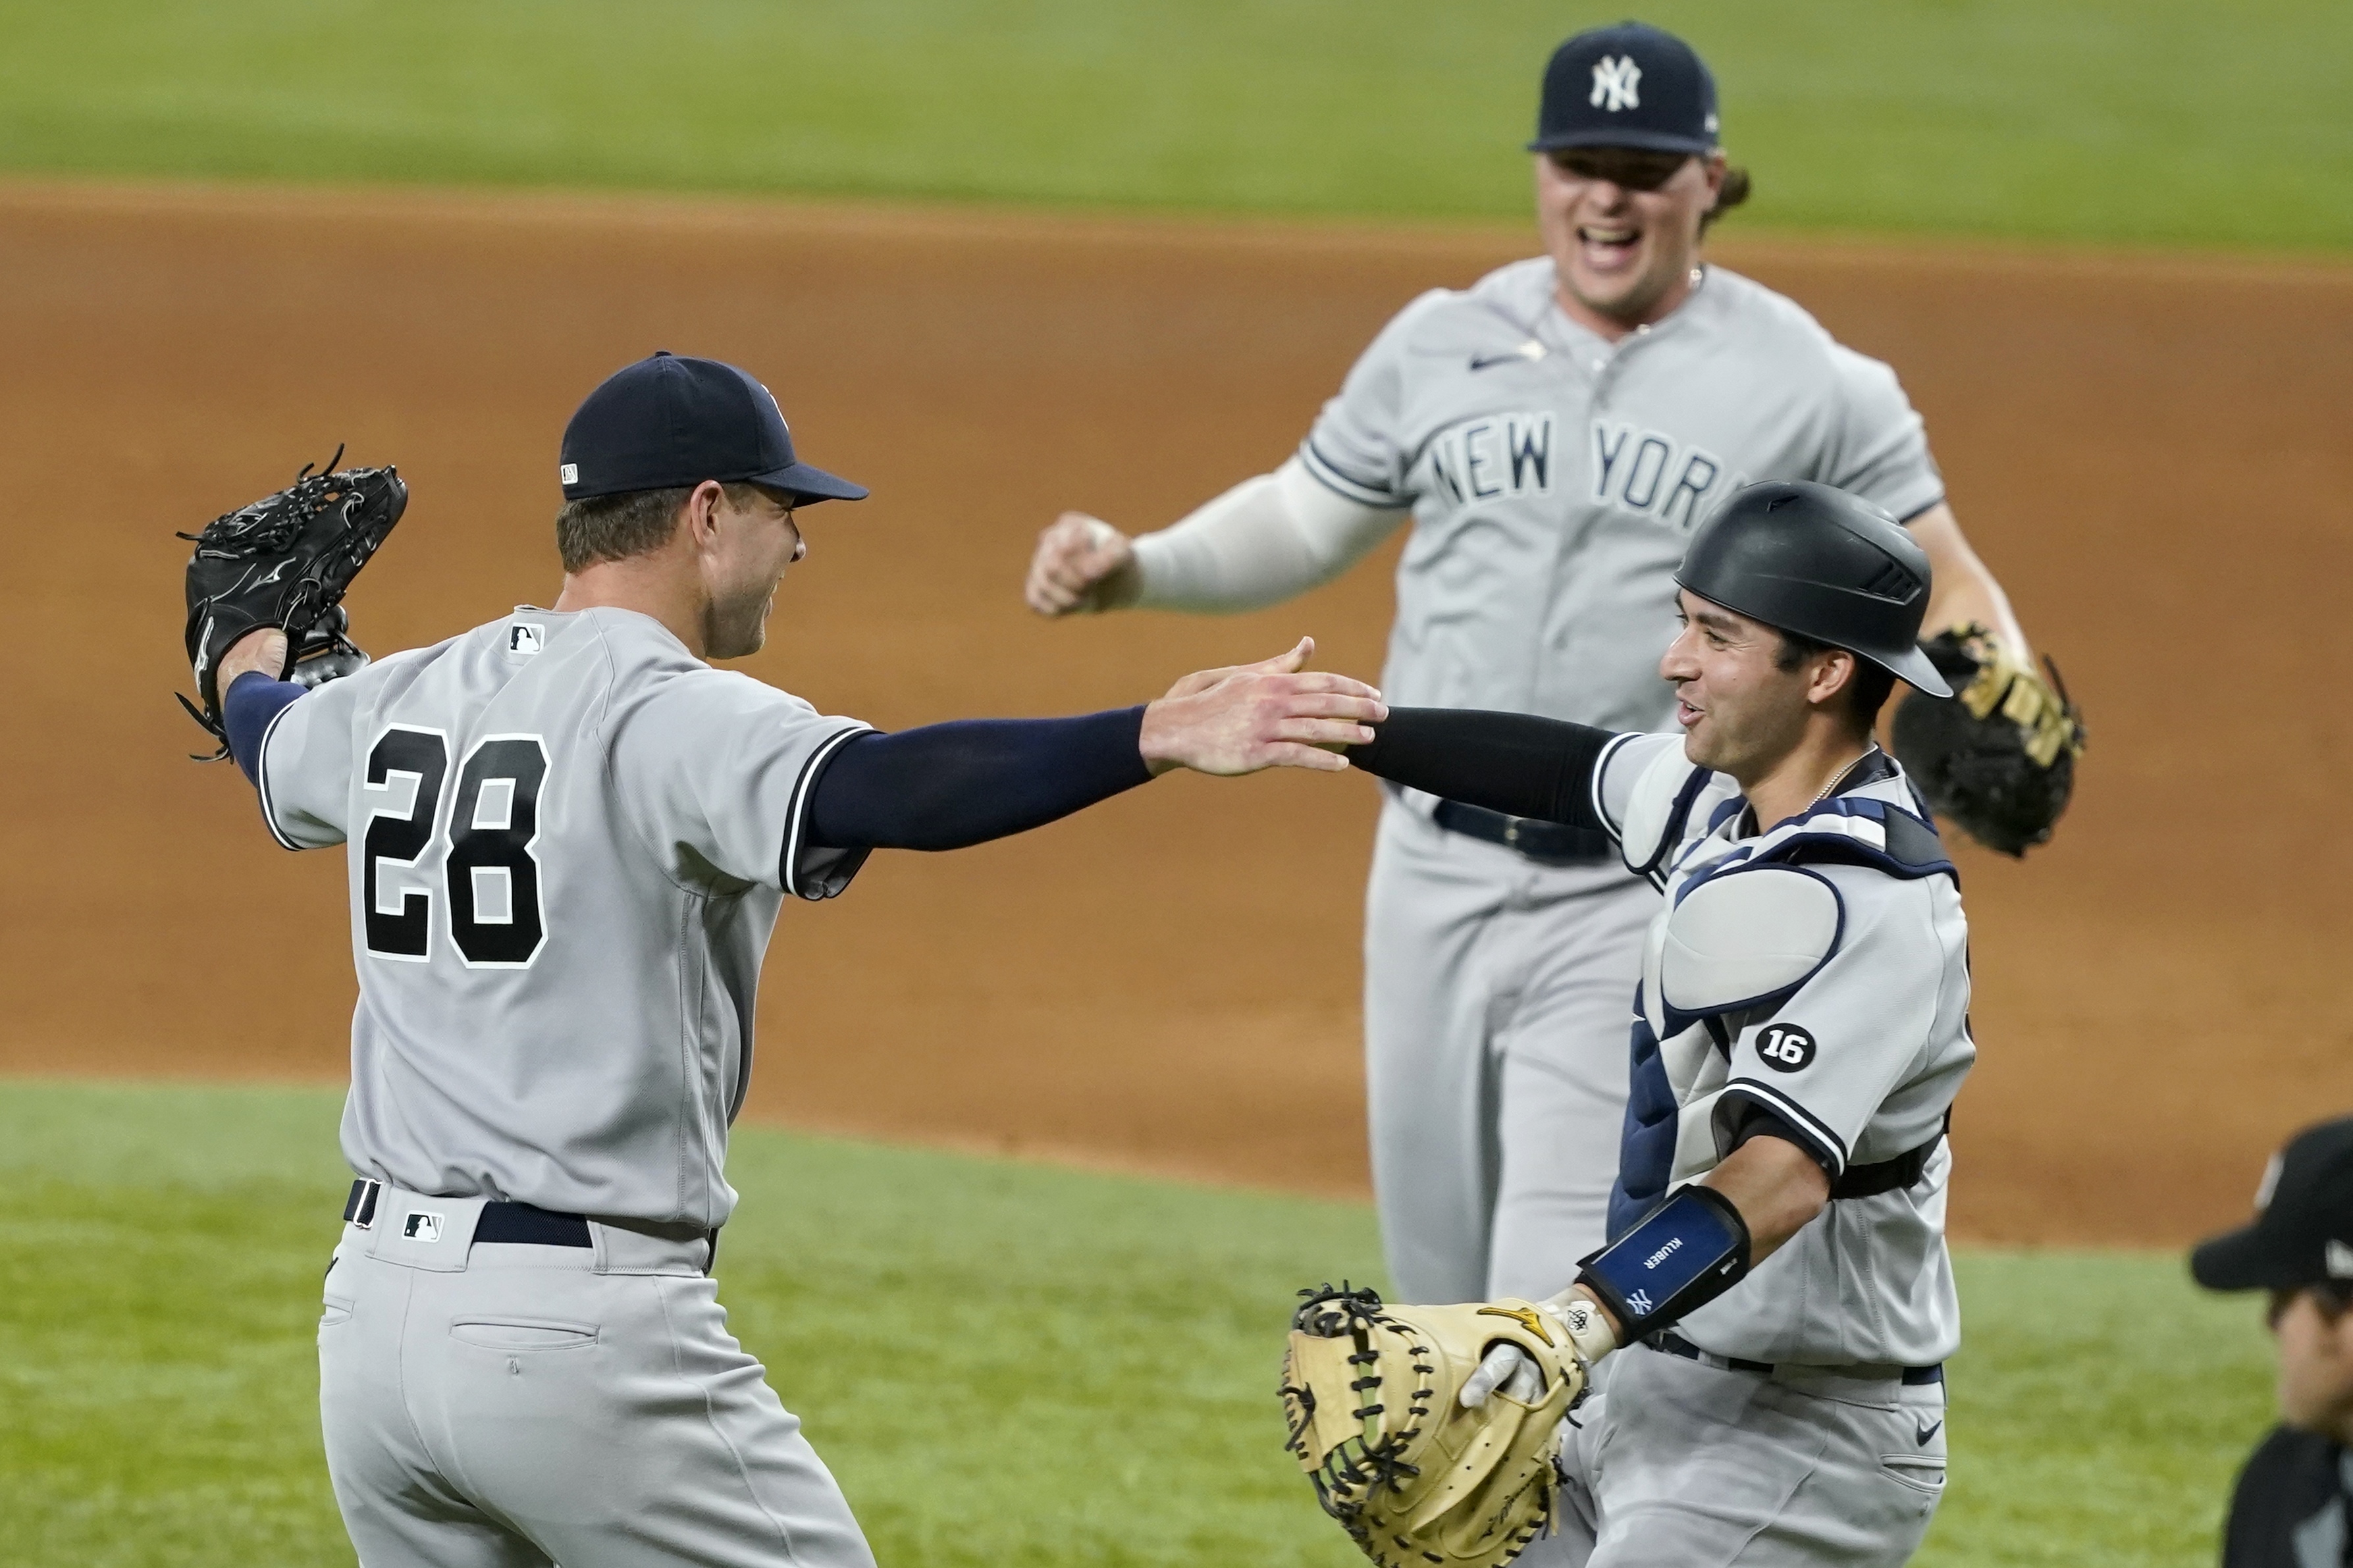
2339	1258
1613	84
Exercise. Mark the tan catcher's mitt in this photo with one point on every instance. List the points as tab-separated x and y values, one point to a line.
1372	1396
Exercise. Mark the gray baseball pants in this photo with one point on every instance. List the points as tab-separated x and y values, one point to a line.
1498	993
1676	1462
499	1405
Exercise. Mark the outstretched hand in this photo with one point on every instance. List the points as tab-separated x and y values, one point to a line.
1274	713
1082	564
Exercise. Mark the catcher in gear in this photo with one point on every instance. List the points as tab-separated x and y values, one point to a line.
1775	1291
285	561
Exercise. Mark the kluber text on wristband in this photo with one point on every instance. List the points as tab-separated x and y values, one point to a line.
1683	1253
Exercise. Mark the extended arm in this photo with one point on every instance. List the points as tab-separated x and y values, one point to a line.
1514	763
1962	590
945	786
1260	542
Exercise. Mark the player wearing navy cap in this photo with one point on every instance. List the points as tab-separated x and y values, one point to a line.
1551	437
2293	1507
569	840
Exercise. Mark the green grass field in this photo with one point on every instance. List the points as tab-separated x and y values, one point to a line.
2151	121
1105	1398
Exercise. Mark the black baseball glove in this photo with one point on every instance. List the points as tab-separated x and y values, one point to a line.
285	561
1997	758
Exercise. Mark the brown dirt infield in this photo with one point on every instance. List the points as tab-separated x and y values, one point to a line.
2152	453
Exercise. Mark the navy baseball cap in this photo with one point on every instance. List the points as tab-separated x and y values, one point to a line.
670	420
2302	1233
1627	86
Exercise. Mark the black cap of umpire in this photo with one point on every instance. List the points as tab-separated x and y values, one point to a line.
2302	1233
670	421
1627	86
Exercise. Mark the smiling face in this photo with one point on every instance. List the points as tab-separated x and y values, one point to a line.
1741	711
1622	227
743	565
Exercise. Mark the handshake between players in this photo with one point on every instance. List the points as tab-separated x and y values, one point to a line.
1275	714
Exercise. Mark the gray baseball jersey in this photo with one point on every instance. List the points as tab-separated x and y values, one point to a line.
1816	972
570	840
1555	477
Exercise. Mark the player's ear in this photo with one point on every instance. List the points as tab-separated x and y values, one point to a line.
1833	675
699	517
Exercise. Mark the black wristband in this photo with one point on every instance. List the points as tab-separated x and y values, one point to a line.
1679	1256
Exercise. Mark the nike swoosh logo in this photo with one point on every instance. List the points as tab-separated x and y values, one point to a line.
1530	351
1929	1431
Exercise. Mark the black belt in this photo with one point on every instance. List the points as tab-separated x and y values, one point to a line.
516	1223
1673	1343
1552	843
1889	1176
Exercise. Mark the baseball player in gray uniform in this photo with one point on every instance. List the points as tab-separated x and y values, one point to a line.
569	840
1776	1262
1553	435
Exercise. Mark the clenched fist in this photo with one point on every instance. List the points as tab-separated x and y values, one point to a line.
1083	565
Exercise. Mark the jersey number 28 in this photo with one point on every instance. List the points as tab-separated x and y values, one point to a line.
488	873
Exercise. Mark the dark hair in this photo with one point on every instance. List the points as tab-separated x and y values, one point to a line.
1867	690
2333	1297
616	527
1734	192
1645	169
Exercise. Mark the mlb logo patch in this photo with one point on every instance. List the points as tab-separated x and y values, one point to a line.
525	638
421	1225
569	473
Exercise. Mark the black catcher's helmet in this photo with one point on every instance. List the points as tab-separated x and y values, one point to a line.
1816	561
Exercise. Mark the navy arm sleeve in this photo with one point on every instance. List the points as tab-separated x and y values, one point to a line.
944	786
1514	763
254	700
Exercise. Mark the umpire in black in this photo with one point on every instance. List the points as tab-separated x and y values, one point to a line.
2293	1505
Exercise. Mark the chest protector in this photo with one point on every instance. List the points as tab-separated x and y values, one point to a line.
1747	924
